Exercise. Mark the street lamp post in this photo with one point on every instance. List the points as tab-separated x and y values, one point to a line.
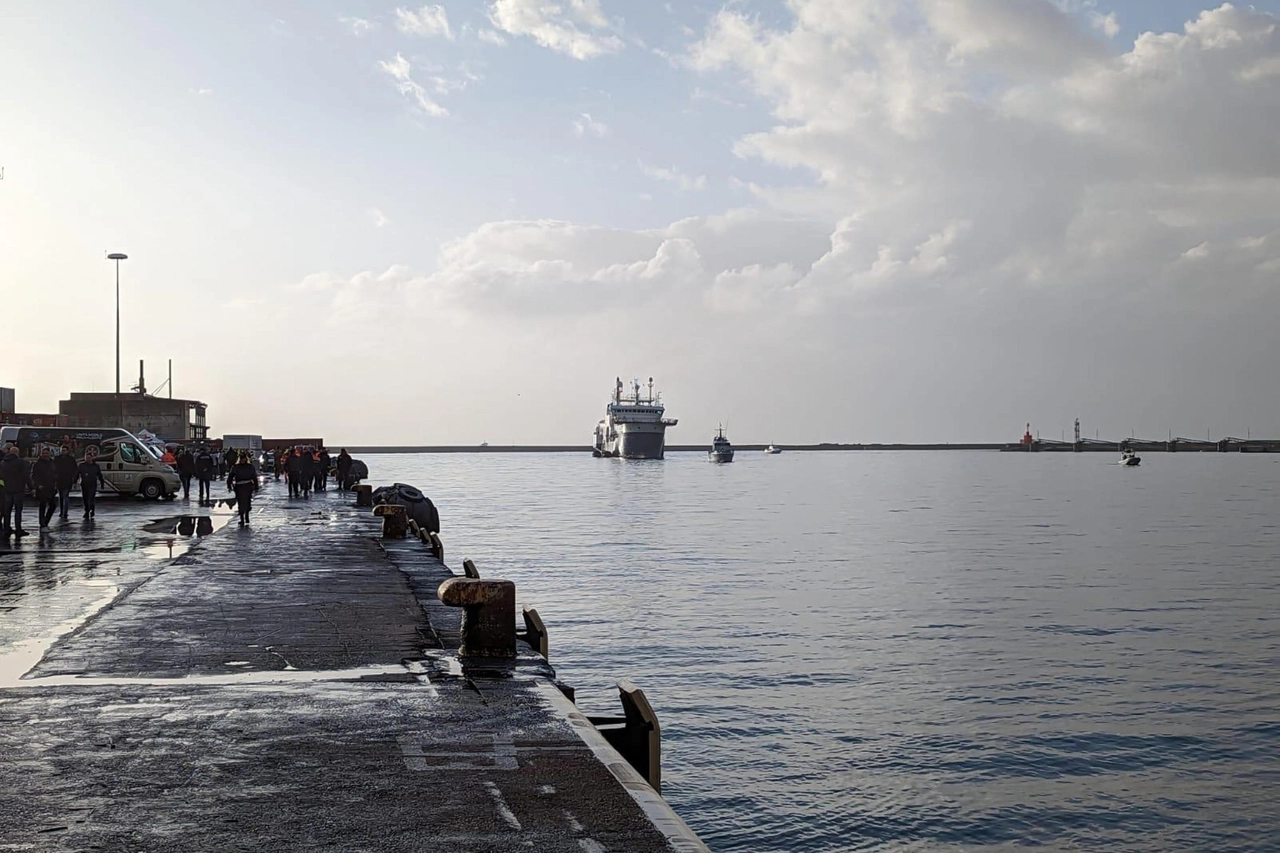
117	257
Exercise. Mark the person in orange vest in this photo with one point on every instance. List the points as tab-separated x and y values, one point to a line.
168	458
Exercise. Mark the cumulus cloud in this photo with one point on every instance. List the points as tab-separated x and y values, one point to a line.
576	28
966	198
428	21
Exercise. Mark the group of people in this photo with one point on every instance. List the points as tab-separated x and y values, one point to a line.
307	469
49	479
202	466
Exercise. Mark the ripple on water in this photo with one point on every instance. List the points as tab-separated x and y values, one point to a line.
899	651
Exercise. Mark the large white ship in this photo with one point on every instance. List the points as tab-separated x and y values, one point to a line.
633	425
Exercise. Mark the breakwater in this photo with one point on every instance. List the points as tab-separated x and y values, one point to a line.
1178	445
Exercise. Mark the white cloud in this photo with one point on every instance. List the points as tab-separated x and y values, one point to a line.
491	37
675	176
576	28
402	71
585	125
358	26
379	218
1108	24
428	21
1197	252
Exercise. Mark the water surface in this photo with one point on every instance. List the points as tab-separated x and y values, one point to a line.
911	651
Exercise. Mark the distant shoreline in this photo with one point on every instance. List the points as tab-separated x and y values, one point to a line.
671	448
1088	446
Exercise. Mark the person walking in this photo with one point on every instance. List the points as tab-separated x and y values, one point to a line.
323	461
90	478
293	470
186	467
205	466
44	477
67	471
344	469
306	470
16	473
243	480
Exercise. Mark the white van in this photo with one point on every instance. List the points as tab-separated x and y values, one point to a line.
128	465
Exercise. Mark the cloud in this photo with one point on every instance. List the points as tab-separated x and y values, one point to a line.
379	218
402	71
358	26
951	203
675	176
1109	24
429	21
585	125
576	28
491	37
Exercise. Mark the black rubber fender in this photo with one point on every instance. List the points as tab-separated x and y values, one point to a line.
409	494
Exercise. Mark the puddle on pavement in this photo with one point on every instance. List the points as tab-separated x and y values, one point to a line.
21	657
375	672
183	531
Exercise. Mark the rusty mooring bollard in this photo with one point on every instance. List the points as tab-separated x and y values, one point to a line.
395	523
364	495
488	615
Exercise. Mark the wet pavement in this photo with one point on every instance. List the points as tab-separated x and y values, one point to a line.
169	681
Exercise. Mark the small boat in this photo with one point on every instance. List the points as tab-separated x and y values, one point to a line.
721	450
773	450
1129	459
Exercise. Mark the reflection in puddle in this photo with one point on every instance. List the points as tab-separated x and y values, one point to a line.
191	529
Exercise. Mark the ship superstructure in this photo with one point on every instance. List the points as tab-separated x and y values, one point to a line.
633	426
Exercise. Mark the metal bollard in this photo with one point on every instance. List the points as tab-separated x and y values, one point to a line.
364	495
395	523
469	569
488	615
437	546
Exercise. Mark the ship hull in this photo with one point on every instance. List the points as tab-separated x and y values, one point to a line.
642	443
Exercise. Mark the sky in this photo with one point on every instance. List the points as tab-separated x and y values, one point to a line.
808	220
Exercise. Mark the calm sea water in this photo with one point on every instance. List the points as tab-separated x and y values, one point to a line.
912	651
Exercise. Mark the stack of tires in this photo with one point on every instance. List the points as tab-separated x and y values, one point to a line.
417	506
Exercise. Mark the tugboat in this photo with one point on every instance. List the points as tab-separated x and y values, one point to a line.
633	426
1129	459
721	450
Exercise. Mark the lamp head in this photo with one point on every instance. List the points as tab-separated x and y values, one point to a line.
117	256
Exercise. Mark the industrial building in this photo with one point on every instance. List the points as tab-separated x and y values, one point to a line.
166	417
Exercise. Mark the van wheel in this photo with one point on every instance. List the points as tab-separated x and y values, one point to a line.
152	490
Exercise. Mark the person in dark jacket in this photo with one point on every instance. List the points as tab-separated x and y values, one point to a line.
243	480
44	477
344	469
322	470
205	466
16	473
186	468
306	471
229	458
90	478
67	471
293	470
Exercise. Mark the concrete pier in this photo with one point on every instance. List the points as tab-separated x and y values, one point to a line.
296	685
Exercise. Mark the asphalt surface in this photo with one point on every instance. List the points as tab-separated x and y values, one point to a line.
288	686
